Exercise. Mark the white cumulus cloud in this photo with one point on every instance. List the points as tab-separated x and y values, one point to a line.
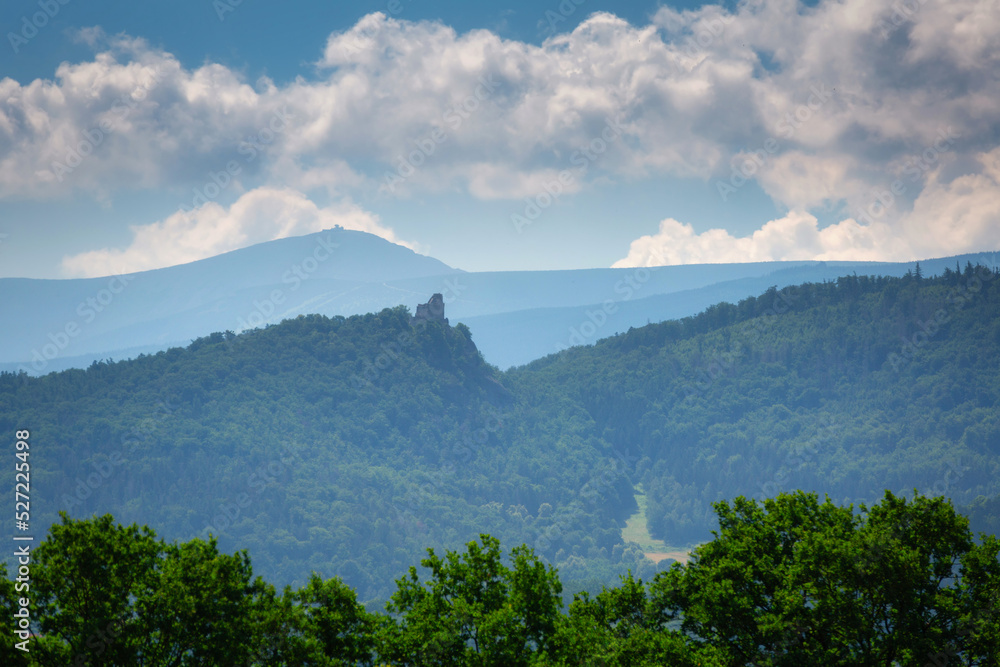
263	214
796	236
833	97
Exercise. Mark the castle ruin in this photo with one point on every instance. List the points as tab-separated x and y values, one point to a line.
432	311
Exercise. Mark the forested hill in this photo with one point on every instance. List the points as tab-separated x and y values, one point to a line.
846	388
344	446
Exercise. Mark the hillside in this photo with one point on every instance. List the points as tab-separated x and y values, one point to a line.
343	445
518	316
845	388
642	297
349	445
262	283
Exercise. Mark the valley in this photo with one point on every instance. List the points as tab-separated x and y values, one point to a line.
373	450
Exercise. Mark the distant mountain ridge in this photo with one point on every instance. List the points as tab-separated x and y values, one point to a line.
150	310
518	316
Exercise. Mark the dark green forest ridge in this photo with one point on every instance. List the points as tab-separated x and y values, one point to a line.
843	388
346	446
341	446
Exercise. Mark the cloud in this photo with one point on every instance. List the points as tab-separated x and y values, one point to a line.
803	181
263	214
796	236
841	93
131	119
958	216
488	182
514	110
694	88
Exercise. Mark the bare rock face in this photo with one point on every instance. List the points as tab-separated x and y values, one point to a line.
432	311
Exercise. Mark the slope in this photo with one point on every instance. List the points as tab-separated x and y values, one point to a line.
518	315
178	303
344	446
348	445
845	388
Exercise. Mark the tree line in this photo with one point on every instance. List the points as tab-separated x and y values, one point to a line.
788	581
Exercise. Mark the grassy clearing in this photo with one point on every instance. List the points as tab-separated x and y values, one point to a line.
636	530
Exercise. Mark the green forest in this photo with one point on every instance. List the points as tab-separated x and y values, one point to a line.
843	388
787	581
342	448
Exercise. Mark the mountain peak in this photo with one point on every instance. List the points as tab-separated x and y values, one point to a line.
337	253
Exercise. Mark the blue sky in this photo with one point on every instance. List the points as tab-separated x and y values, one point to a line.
539	135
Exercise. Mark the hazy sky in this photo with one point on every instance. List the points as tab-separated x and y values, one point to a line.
525	135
